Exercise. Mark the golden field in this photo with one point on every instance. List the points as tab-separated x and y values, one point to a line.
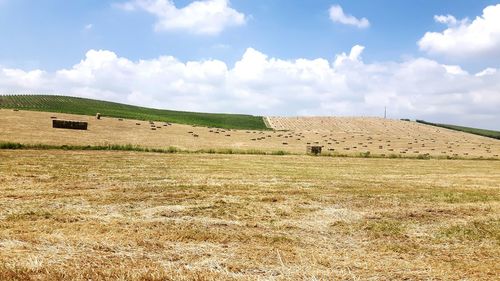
338	135
118	215
67	215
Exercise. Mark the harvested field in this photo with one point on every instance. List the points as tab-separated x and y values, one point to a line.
338	136
68	215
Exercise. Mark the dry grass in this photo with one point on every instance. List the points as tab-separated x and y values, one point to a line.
351	136
387	136
68	215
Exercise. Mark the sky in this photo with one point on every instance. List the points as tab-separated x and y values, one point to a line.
422	59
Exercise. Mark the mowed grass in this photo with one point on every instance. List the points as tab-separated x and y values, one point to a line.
80	215
82	106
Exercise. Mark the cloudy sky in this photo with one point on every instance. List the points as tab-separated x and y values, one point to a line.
423	59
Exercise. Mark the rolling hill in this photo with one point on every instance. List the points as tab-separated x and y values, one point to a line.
338	136
83	106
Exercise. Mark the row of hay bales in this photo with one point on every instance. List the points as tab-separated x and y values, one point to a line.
72	125
66	124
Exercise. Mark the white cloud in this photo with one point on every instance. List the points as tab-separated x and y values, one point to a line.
88	26
258	84
465	38
337	15
207	17
487	71
354	55
448	20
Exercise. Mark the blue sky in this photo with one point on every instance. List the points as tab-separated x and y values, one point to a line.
53	35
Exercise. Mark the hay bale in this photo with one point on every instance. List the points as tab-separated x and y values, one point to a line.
73	125
313	149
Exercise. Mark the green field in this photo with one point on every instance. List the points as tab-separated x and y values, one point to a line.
476	131
82	106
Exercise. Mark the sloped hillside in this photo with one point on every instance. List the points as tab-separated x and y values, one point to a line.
386	136
82	106
349	137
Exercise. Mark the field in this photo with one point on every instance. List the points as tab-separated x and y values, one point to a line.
67	215
82	106
367	137
195	212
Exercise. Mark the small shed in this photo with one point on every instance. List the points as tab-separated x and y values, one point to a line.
314	149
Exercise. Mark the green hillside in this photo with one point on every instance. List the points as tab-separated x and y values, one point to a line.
82	106
481	132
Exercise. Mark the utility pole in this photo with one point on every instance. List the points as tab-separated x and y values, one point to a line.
385	112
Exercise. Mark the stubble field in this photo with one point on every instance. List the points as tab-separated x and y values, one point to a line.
68	215
338	136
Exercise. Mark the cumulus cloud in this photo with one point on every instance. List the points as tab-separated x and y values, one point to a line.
207	17
465	38
337	15
258	84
